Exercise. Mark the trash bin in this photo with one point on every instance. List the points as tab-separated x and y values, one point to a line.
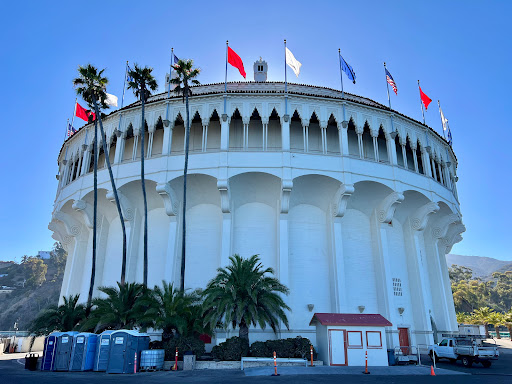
31	361
391	357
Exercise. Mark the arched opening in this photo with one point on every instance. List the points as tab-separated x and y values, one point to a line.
368	150
332	136
255	132
353	145
158	138
196	134
314	135
74	170
419	158
296	133
213	134
236	132
274	132
438	175
101	154
409	154
128	144
399	154
382	146
178	135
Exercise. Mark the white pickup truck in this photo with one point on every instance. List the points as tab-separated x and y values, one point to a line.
465	349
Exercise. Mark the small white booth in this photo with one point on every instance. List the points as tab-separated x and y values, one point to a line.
344	338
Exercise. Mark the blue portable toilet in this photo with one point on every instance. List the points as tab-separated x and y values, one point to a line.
50	344
84	351
63	351
102	351
124	346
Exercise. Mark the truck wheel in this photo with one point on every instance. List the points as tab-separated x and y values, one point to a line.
467	362
486	363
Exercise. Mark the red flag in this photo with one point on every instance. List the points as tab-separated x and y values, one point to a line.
425	99
83	113
236	61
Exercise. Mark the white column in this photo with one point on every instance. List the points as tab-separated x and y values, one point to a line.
283	250
375	148
224	135
285	134
426	163
404	155
167	139
119	153
360	145
439	169
434	172
171	249
415	158
205	137
343	133
391	150
150	144
135	144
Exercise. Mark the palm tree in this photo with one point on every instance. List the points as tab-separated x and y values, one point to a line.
121	309
91	86
65	317
185	76
482	316
173	311
142	84
497	319
242	294
508	322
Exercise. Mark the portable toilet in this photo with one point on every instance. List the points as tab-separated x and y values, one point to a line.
102	351
63	351
84	351
124	346
50	344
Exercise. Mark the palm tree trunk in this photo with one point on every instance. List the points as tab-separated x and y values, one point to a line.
243	331
114	189
185	170
95	213
143	132
497	329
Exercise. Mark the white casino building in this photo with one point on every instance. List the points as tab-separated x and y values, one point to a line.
354	214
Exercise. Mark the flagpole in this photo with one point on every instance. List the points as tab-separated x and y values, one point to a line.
441	116
285	83
169	90
387	85
74	112
122	98
226	78
421	103
341	79
67	129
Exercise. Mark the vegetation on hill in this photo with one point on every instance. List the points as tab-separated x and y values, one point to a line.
35	284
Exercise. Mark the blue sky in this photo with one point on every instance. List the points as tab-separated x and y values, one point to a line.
460	50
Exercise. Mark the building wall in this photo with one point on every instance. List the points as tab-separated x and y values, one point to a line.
336	225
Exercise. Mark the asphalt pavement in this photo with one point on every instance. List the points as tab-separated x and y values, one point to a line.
13	372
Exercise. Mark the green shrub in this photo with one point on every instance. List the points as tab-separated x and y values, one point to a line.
288	348
232	349
184	344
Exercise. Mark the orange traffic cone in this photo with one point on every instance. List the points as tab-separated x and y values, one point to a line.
432	373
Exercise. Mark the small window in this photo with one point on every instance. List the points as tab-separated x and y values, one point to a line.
355	339
443	343
397	286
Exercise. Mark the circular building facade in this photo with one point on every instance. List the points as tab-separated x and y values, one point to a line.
352	204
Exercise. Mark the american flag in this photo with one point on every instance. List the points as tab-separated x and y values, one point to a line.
71	130
391	82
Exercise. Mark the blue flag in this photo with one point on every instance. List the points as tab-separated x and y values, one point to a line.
348	70
176	59
449	136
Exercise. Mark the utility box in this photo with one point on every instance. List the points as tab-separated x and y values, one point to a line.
84	351
125	351
102	351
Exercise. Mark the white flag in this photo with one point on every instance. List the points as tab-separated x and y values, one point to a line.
111	100
293	62
444	120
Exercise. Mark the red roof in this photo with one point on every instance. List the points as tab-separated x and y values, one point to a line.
350	319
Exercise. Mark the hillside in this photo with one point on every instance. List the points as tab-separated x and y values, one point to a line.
482	266
33	290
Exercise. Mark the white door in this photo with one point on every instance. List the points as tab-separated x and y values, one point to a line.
337	351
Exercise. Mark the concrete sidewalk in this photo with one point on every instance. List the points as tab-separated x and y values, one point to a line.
374	371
